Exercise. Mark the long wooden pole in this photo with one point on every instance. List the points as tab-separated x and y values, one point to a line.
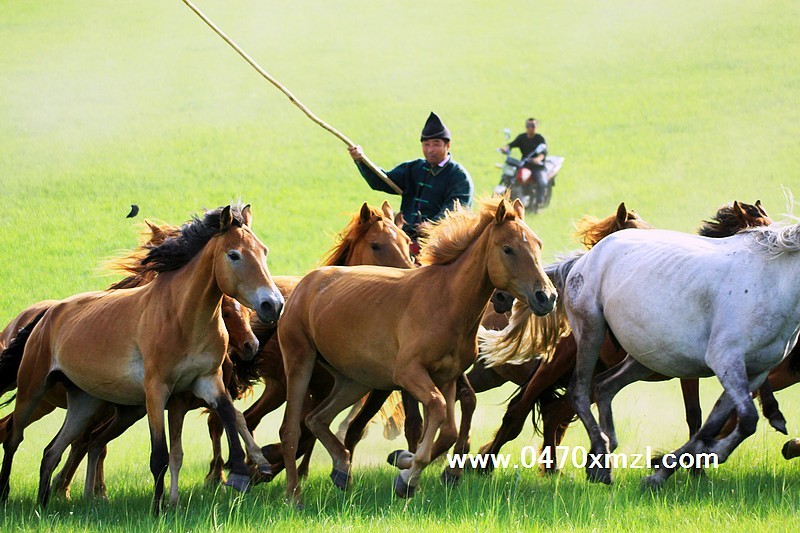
291	97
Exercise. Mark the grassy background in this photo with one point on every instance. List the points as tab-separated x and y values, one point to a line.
674	108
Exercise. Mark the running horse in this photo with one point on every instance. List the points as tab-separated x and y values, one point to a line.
545	382
371	237
400	334
682	306
139	346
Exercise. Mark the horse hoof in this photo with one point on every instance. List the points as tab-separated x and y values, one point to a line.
651	483
340	479
403	489
238	482
400	459
791	449
599	475
779	424
449	479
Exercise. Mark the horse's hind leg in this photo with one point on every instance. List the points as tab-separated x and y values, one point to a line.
344	394
216	470
81	409
371	406
590	330
112	427
608	384
413	424
466	395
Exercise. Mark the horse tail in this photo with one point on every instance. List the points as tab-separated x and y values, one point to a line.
393	416
11	358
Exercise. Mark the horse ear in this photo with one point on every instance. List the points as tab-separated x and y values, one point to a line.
761	209
247	215
500	215
519	209
365	215
399	220
622	215
387	210
225	217
740	214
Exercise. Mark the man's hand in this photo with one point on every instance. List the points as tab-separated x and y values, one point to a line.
356	152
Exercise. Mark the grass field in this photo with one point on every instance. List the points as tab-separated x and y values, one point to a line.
674	107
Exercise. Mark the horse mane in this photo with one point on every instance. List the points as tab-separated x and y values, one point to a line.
527	336
346	239
177	250
130	261
445	240
776	239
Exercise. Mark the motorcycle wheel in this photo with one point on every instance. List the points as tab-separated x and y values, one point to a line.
548	193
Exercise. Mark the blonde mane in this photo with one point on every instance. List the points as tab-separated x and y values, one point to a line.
778	238
444	241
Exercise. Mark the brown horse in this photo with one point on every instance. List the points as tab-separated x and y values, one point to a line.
401	335
371	237
242	346
541	389
139	346
481	378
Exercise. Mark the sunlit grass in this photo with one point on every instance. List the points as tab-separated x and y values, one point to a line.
674	108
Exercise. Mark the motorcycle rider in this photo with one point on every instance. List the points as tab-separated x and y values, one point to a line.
430	185
534	149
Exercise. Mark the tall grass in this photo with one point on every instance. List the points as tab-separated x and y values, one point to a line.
673	107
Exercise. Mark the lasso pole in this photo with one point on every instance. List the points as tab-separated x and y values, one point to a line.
291	97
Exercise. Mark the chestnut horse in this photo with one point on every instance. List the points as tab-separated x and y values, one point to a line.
139	346
400	334
371	237
542	386
481	378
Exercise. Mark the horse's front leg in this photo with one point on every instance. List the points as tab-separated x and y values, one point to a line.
157	394
438	409
177	408
211	390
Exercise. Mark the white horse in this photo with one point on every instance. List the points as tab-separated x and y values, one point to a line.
682	306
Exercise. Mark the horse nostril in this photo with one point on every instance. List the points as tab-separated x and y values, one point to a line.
541	297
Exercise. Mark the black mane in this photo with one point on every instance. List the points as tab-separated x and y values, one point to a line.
177	251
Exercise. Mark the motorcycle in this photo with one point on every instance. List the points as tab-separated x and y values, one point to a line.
519	182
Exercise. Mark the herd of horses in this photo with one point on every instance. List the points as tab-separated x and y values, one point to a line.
198	321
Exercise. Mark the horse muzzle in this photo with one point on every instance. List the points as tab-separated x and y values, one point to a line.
542	303
270	307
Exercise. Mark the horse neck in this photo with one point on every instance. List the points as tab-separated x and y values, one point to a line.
193	290
468	281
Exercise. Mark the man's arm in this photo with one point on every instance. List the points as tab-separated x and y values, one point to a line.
373	180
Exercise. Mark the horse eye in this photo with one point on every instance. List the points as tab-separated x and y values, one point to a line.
234	255
508	250
375	246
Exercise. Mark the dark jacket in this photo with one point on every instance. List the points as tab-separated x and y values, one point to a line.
426	195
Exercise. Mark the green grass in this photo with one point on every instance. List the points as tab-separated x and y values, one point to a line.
673	107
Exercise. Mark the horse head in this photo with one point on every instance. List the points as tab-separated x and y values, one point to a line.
372	237
515	259
240	266
242	342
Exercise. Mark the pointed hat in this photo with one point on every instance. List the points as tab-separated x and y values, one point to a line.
434	129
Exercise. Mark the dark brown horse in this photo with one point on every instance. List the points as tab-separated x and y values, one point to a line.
139	346
542	390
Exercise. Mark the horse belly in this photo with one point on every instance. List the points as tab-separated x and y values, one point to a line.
119	383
